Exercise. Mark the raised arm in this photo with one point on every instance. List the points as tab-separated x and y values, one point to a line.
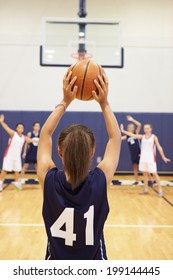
137	123
137	136
160	149
6	127
112	151
44	154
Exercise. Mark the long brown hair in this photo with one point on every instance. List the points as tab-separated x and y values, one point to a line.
76	143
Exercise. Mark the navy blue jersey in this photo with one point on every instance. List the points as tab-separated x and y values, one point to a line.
74	219
134	148
31	154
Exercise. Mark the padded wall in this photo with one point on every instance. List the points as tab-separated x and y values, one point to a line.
162	123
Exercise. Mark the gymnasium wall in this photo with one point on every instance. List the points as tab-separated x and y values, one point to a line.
145	83
162	123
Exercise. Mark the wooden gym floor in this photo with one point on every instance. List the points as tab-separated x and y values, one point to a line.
139	227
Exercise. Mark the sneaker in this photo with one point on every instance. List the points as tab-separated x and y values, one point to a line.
136	183
151	184
143	192
22	181
160	194
17	185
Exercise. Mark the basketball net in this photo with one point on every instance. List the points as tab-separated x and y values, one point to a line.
81	55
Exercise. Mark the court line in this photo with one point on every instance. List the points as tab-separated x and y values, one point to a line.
139	226
6	186
21	225
167	200
106	225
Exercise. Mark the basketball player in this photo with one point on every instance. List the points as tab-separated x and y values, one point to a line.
147	162
134	146
75	204
12	157
30	150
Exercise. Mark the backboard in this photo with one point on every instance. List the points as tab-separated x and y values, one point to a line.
66	40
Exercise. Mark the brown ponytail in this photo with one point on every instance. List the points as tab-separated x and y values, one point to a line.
76	142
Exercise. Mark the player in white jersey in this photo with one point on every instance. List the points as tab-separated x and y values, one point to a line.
147	162
12	156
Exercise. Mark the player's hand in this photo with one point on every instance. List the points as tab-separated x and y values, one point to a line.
102	89
121	127
69	89
34	140
166	160
129	118
2	118
24	155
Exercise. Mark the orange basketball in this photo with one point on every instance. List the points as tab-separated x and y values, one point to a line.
86	71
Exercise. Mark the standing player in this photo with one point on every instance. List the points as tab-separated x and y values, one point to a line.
134	146
30	150
147	163
75	204
12	157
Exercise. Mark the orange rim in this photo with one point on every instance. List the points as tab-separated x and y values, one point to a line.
81	55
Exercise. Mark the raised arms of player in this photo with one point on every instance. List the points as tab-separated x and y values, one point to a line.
112	151
5	126
137	123
11	131
137	136
160	149
44	154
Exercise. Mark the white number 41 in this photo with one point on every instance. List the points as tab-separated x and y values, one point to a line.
67	218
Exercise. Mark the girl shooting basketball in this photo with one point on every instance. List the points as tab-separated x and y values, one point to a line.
75	204
147	163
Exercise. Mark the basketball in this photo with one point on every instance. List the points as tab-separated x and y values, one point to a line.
86	71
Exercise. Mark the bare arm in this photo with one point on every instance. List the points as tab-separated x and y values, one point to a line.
6	127
137	123
159	147
137	136
26	145
112	151
31	140
44	154
124	137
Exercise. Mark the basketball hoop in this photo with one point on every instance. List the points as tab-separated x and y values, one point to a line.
81	55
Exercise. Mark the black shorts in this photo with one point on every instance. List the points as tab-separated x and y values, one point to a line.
135	158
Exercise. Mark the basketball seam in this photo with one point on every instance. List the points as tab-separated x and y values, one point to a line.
99	69
74	65
90	98
86	69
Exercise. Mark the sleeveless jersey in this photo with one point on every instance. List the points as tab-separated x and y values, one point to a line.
14	148
148	149
74	219
31	154
134	148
